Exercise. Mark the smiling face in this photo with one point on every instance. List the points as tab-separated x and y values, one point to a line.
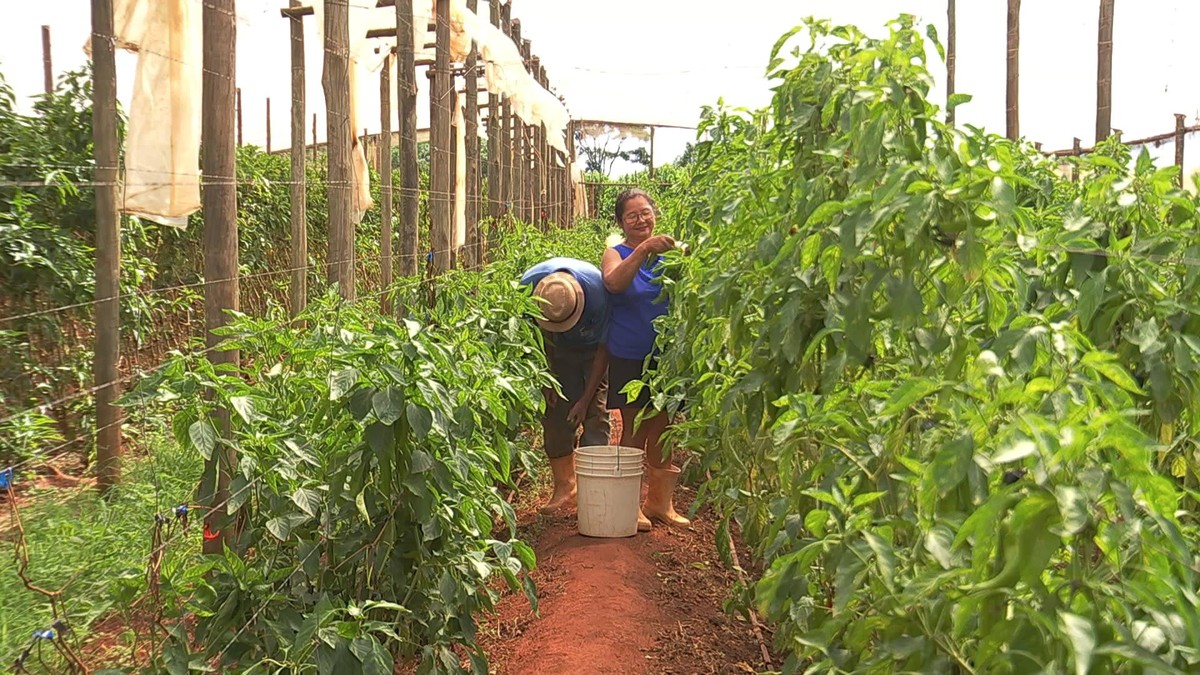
637	220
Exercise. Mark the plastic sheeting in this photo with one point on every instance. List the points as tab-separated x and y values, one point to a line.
162	140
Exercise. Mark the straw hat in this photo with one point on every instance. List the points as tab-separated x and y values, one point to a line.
561	298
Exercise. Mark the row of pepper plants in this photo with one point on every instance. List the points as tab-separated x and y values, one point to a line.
948	394
371	456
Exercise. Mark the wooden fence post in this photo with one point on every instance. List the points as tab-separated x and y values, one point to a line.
1104	72
268	125
1180	133
220	240
385	182
406	101
108	247
471	249
951	56
508	131
339	143
314	145
1077	150
47	64
1013	117
439	146
298	190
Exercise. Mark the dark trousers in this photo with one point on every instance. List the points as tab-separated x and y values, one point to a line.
571	368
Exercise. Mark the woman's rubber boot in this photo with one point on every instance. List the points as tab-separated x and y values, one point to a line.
659	503
643	522
563	469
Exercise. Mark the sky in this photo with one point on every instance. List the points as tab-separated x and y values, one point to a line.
659	61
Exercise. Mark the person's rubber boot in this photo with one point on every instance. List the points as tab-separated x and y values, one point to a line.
659	504
644	524
563	497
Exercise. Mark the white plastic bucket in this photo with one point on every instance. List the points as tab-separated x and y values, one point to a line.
609	482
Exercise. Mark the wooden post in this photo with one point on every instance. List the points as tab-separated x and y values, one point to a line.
1013	117
1077	151
493	168
339	142
570	179
385	182
951	56
47	65
314	147
298	292
508	130
1104	72
453	196
440	174
268	125
1180	133
471	133
651	152
239	117
406	101
537	172
520	189
219	162
108	248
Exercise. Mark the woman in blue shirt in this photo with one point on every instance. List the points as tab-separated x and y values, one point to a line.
631	273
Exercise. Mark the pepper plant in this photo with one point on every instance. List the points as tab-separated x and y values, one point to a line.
945	392
369	454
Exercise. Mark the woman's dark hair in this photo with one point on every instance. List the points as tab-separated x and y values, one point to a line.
629	194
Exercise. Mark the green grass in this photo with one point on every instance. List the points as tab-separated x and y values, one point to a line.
96	550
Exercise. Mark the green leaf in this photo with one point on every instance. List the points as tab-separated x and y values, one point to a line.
375	659
341	382
281	526
388	404
824	212
1107	365
1074	508
308	500
938	542
420	462
420	419
203	437
815	521
907	394
1082	634
1017	451
885	557
952	462
380	438
956	99
244	407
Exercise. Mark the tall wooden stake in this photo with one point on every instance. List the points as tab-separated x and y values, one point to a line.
220	238
1180	133
1013	118
108	247
406	100
508	132
339	142
439	136
268	125
1104	72
47	65
471	137
385	181
951	56
314	144
298	292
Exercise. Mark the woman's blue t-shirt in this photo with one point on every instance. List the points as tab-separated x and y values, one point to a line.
631	331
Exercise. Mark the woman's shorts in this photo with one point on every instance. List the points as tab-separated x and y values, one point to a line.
620	373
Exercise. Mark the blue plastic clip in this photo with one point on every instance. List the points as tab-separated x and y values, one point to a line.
47	634
181	511
6	478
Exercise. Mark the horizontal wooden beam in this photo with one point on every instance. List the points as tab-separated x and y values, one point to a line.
291	12
1158	138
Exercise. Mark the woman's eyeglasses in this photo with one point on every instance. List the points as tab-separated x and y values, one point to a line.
631	218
